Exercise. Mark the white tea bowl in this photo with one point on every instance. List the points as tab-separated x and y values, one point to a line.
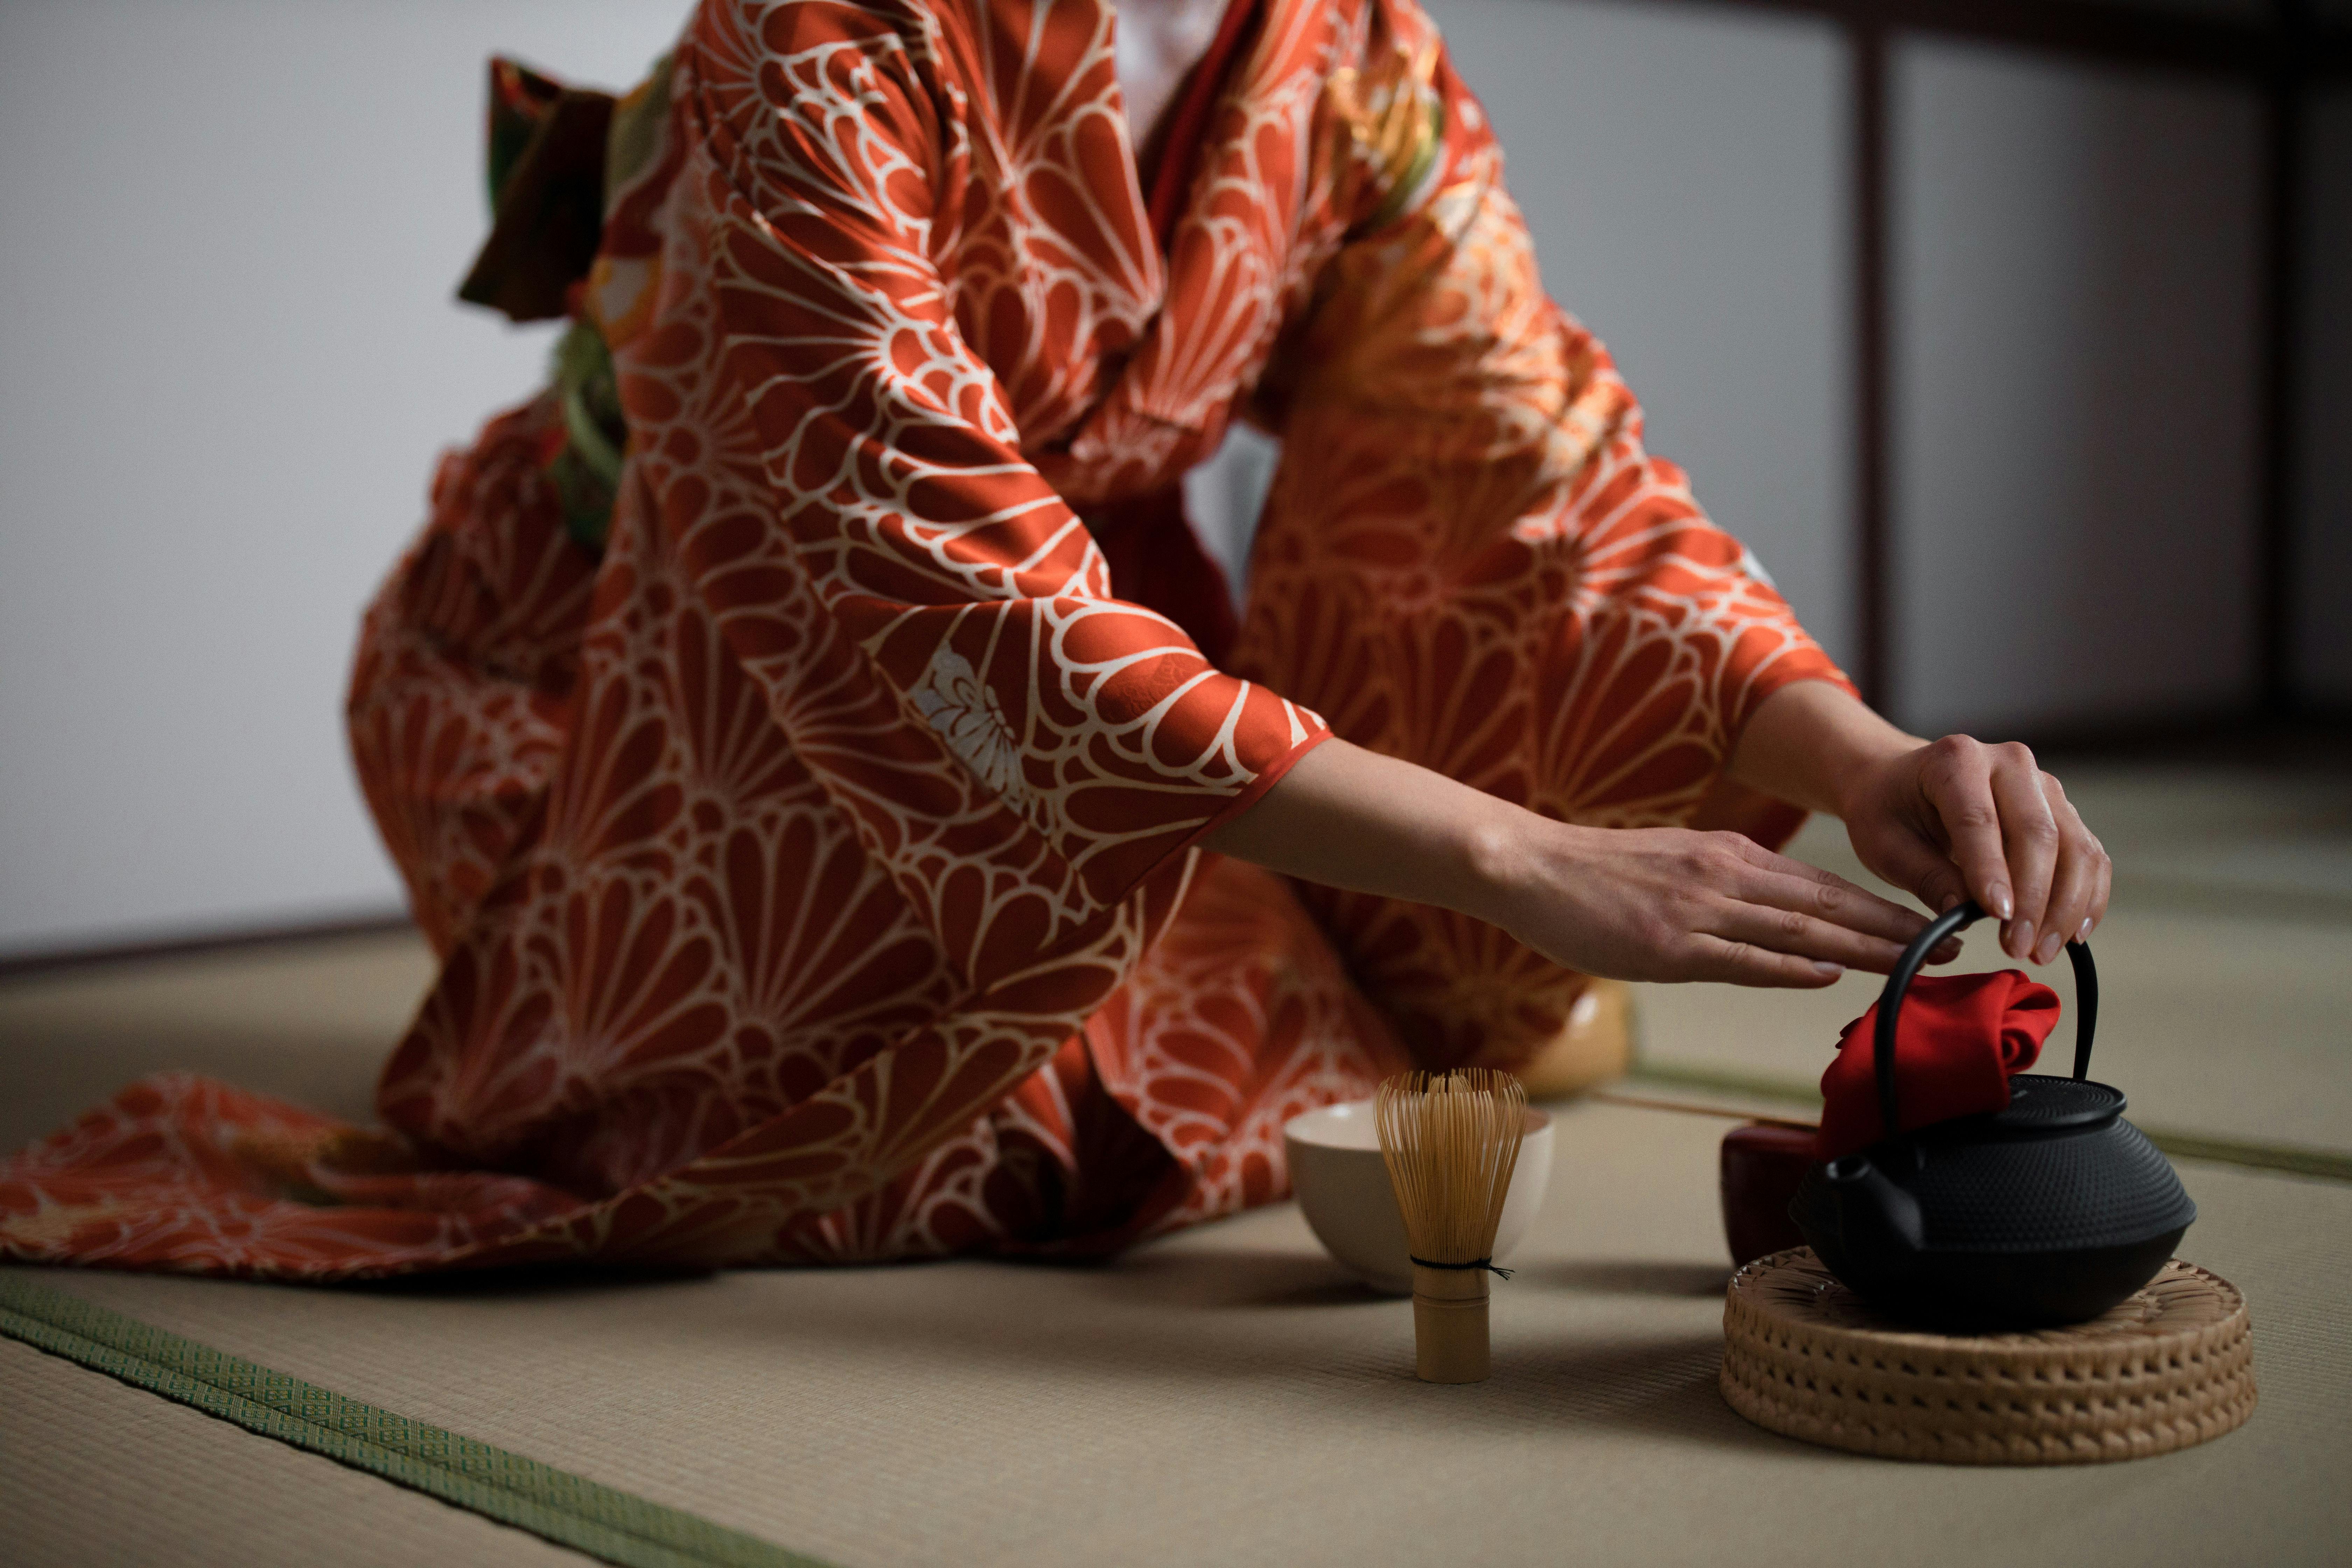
1343	1189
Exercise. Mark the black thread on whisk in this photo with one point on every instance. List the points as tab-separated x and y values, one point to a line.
1485	1263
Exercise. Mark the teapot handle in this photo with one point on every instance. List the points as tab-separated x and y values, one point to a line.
1890	1001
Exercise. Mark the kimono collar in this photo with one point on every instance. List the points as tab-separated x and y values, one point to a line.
1224	206
1181	146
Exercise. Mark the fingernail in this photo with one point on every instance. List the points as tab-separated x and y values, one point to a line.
1946	907
1823	967
2049	947
2084	934
2001	905
2021	939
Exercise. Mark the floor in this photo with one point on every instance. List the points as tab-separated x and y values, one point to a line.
1228	1393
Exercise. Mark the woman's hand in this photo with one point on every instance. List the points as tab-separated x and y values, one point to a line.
1961	820
1664	903
1945	820
1630	903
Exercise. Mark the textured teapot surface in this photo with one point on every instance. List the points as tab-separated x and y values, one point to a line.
2003	1183
2049	1211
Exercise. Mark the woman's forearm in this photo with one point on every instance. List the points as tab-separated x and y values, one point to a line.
1347	817
1813	745
1350	818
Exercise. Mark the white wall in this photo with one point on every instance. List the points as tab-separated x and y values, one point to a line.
233	228
1683	170
2323	544
2075	270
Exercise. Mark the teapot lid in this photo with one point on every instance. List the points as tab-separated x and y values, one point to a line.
2040	1106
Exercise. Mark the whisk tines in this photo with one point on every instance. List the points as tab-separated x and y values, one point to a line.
1451	1141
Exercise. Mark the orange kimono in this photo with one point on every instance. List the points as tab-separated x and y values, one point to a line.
809	824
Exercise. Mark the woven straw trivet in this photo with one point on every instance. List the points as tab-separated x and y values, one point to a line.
2171	1367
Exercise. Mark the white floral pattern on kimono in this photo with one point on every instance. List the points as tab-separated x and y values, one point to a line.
953	701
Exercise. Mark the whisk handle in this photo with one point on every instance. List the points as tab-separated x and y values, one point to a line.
1450	1332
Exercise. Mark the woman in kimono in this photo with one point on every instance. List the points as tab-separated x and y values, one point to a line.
852	821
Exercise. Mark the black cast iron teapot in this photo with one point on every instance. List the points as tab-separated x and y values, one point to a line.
2048	1212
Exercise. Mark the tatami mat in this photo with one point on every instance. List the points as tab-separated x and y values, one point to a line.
1227	1394
96	1473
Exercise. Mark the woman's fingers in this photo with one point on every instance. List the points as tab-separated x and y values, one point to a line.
1872	932
1674	905
1960	819
1786	884
1905	859
1802	935
2078	880
1858	928
1957	778
2029	843
1772	918
2099	900
2078	895
1745	964
2019	844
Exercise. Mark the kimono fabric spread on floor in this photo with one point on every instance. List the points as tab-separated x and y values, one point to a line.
797	727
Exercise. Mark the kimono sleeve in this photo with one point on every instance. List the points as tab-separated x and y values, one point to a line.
1463	470
973	593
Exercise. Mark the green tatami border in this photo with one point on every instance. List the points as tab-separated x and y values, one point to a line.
2289	1159
568	1510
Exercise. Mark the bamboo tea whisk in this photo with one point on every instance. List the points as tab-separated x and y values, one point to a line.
1451	1142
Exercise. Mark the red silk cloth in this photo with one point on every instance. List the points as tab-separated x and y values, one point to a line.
1958	1041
